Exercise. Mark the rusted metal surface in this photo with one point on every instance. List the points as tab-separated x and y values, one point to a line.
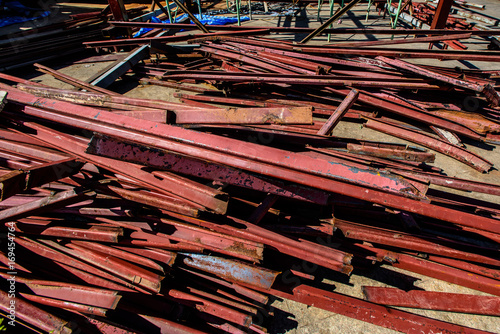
407	241
455	152
297	115
60	199
333	120
439	271
244	198
487	90
34	315
232	271
430	300
370	312
207	306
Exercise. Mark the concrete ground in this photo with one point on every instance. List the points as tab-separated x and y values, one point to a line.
296	318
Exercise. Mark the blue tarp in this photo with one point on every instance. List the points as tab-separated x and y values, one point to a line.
17	13
205	19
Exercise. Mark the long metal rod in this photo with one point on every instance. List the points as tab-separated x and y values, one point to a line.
430	300
191	16
339	31
325	25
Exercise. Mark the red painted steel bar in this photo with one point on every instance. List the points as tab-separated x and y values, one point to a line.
402	240
369	312
57	303
45	203
186	165
286	115
191	191
33	315
430	300
344	31
71	232
154	200
400	41
232	271
222	146
439	145
250	150
169	326
438	271
132	273
206	306
337	115
172	39
456	183
73	81
261	298
411	113
299	79
488	90
22	180
130	257
80	294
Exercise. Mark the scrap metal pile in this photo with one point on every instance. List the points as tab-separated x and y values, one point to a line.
127	215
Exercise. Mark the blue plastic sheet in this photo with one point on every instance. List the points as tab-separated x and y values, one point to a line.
18	13
204	19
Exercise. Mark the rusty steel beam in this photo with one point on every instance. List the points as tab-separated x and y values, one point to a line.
155	254
441	14
118	10
438	145
422	244
46	203
173	39
340	31
251	60
230	302
337	115
22	180
412	113
167	326
385	181
154	200
431	300
80	294
79	268
287	115
126	270
71	232
122	254
57	303
192	191
157	134
299	79
488	90
73	81
324	256
232	271
474	268
369	312
260	298
33	315
401	41
456	183
194	236
405	53
436	270
207	306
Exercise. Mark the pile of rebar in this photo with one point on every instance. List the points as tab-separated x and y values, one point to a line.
128	215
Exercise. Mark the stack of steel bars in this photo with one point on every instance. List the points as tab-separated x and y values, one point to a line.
127	215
